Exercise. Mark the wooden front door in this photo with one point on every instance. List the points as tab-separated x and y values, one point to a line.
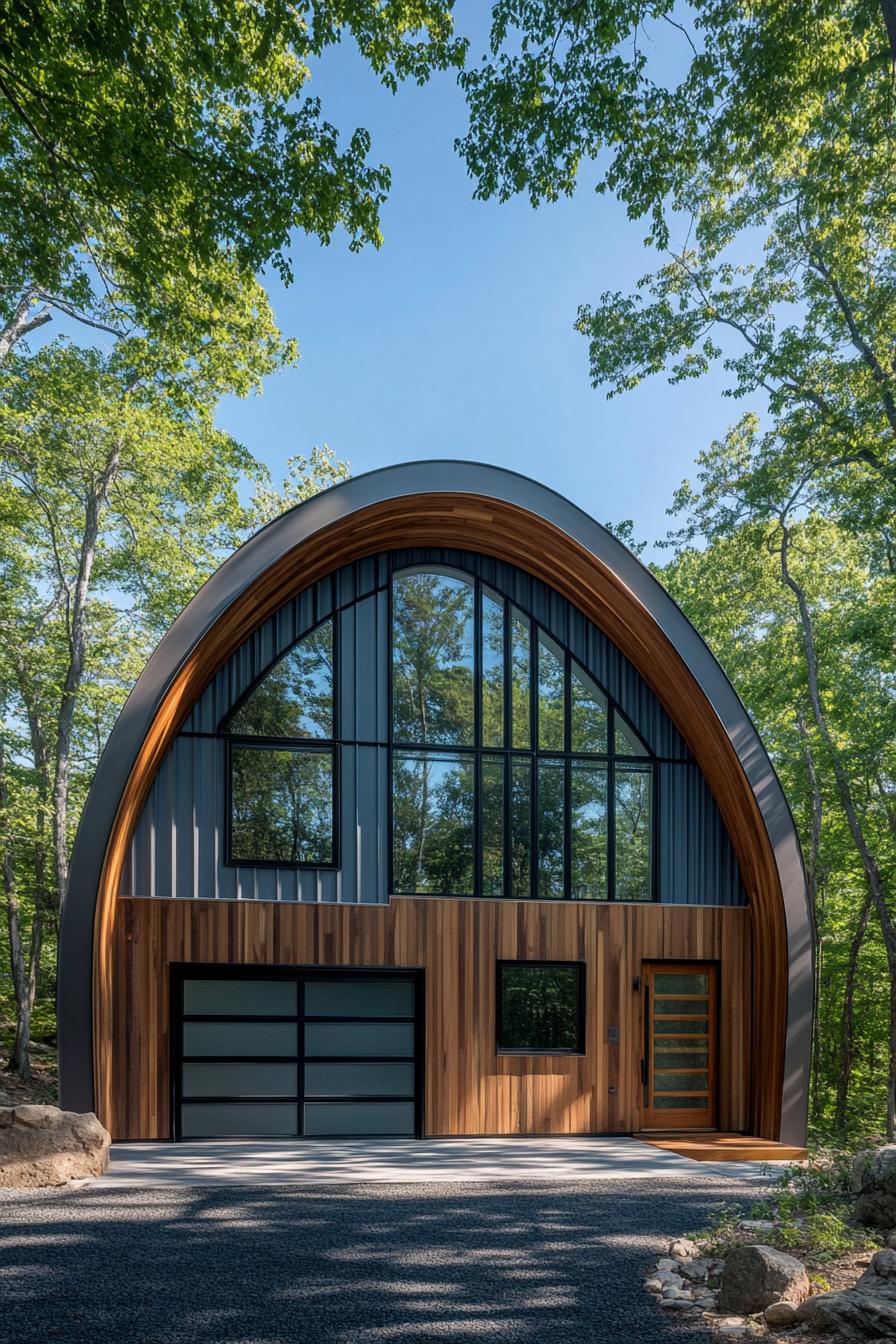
678	1070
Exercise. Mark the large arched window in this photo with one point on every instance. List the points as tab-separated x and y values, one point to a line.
513	774
281	761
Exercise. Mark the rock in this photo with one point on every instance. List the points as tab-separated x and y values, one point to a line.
653	1286
757	1224
695	1269
756	1276
706	1303
890	1239
677	1303
41	1145
873	1179
665	1263
865	1311
780	1313
683	1249
732	1331
667	1279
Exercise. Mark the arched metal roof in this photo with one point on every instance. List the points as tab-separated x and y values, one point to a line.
341	506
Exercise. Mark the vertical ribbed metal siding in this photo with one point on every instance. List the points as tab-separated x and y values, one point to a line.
178	847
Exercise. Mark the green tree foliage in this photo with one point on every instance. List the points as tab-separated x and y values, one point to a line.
116	502
155	157
757	140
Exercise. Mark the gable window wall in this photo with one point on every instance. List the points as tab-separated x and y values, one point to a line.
513	773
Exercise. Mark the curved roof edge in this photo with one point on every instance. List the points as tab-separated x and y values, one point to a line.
243	568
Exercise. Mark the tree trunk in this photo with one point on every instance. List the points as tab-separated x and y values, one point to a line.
847	802
815	885
22	321
95	501
24	970
847	1022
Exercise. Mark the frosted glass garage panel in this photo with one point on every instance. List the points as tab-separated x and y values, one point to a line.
359	1038
226	1120
359	998
241	1038
227	1079
241	998
356	1080
371	1117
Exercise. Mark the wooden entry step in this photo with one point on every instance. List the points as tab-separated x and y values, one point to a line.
707	1146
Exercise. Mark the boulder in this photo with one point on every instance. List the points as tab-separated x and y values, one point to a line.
682	1248
756	1276
41	1145
865	1311
780	1313
873	1180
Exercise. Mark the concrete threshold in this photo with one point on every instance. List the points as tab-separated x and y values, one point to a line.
324	1162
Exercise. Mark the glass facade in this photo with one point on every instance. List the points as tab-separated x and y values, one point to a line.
513	773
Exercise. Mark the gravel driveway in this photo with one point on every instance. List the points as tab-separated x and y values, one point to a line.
354	1264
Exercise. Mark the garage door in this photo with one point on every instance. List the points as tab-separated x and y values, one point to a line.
303	1053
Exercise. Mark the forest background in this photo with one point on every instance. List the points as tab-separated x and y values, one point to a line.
160	167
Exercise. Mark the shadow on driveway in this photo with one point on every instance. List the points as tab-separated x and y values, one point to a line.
351	1264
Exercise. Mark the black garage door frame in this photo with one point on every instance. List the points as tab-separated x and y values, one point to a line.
184	971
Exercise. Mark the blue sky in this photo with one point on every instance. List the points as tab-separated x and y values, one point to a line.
456	338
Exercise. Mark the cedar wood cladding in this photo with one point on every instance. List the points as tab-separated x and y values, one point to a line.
468	1087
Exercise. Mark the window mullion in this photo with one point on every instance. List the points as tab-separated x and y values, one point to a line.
477	739
534	847
611	804
567	778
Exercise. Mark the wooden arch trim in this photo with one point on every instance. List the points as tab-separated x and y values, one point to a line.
512	519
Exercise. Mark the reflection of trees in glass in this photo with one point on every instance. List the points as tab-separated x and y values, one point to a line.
492	815
432	658
432	823
281	805
551	697
589	712
537	833
539	1008
520	675
521	828
588	860
492	671
551	848
627	743
295	698
633	789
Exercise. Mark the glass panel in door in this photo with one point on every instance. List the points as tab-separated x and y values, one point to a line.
678	1067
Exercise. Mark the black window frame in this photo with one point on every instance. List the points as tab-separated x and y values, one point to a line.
533	754
581	991
298	746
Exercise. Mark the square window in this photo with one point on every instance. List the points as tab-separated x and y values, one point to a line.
541	1007
281	806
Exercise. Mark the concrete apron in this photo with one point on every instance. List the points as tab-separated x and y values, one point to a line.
334	1161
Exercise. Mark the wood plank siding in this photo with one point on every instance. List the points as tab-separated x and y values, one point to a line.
469	1088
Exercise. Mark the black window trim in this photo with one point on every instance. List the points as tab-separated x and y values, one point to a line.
297	745
533	753
582	987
